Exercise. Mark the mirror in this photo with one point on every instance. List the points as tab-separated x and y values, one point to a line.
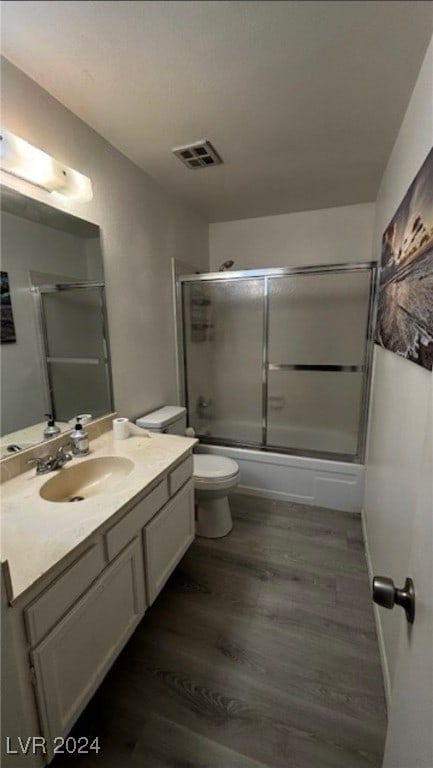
54	336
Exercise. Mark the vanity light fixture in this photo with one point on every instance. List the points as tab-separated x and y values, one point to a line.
21	159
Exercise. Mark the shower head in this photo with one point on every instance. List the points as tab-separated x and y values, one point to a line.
226	265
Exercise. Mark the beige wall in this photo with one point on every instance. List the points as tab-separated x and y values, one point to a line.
143	227
401	392
328	236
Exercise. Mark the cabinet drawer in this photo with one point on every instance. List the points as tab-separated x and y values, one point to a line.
120	534
178	477
49	607
166	539
73	659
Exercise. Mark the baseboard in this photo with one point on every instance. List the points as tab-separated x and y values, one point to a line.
378	620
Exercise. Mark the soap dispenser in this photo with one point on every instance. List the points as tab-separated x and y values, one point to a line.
79	439
51	430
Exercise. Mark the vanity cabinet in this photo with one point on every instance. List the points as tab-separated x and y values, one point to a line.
71	661
166	539
167	528
69	627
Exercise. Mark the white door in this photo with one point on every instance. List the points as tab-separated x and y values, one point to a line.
409	742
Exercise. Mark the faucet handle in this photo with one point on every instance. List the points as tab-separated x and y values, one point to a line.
62	448
62	452
43	464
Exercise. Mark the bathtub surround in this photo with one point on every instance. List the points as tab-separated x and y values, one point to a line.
288	365
143	228
322	483
396	515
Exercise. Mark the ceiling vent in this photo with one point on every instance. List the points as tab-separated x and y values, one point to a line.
199	155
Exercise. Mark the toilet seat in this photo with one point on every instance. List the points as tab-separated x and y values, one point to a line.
210	468
212	473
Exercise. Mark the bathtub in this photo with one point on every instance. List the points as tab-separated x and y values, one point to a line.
320	482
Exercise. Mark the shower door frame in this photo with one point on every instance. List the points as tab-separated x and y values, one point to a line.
264	274
105	360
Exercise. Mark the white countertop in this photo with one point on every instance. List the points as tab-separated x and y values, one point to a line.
37	534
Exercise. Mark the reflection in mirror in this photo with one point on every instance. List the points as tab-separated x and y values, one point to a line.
54	340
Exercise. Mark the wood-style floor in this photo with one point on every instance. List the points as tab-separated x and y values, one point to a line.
259	653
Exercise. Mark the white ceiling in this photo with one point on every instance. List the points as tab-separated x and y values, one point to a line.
303	100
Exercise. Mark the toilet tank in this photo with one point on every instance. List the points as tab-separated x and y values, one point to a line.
171	419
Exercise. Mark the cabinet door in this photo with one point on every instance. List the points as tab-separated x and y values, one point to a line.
132	523
167	537
44	613
72	660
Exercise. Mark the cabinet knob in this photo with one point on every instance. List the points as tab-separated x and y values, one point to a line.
386	594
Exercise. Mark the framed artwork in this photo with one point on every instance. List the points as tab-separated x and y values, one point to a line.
7	324
405	304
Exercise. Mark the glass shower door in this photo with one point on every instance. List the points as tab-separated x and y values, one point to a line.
223	348
317	336
76	353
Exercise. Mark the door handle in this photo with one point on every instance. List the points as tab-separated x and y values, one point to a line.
387	595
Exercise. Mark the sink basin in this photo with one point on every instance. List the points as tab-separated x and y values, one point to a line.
87	479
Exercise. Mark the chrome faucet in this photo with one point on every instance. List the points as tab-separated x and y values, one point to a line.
46	464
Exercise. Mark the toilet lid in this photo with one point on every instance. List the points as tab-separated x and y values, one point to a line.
210	466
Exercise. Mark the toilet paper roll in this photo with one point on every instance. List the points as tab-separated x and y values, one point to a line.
190	432
121	428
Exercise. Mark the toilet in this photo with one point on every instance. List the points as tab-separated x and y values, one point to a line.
214	476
